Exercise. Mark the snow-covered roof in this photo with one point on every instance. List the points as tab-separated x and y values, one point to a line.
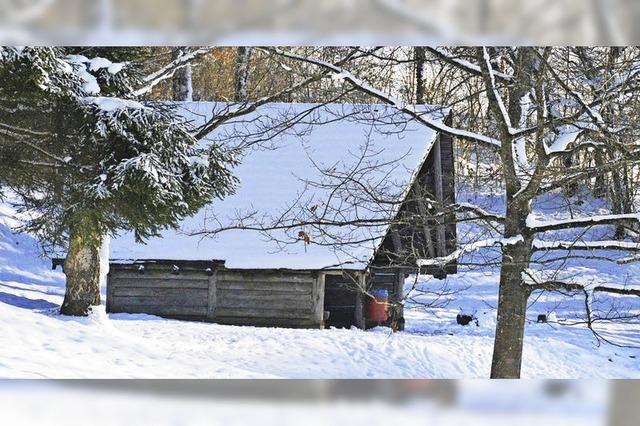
284	168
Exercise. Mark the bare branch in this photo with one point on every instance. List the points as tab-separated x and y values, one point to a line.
466	65
249	107
169	70
620	219
410	110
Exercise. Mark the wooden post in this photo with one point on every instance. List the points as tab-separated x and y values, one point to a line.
212	299
397	241
318	299
109	293
398	290
441	237
398	285
426	229
359	319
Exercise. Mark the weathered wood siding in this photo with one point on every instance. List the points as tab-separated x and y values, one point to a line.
419	231
269	298
157	291
281	298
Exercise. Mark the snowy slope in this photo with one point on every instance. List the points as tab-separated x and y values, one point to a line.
37	342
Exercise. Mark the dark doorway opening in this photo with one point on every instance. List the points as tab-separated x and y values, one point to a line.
339	301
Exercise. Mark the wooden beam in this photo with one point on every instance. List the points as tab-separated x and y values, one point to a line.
109	293
318	299
426	229
212	299
397	241
398	299
441	236
359	319
398	286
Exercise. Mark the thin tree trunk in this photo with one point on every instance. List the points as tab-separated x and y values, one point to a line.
568	162
82	269
512	309
182	81
513	293
600	183
242	73
420	58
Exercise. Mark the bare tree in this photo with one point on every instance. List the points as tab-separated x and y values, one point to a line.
541	108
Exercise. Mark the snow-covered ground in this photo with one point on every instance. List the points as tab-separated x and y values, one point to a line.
187	403
37	342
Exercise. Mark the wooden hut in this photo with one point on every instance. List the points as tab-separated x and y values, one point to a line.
243	276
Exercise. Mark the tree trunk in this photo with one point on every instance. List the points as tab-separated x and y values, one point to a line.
242	73
600	182
512	309
82	269
568	162
420	59
182	80
513	293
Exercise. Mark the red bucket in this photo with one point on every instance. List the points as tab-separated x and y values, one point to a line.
378	307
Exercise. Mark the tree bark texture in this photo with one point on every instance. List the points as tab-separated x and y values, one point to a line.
242	73
513	293
420	59
82	269
182	83
512	309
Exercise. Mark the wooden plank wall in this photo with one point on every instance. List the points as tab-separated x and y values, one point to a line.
268	298
158	292
226	296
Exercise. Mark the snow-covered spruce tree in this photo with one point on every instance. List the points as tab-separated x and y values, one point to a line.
84	159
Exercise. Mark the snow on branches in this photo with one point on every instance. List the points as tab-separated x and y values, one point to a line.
96	147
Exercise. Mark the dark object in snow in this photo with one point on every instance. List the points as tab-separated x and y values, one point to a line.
396	317
397	323
542	318
463	319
